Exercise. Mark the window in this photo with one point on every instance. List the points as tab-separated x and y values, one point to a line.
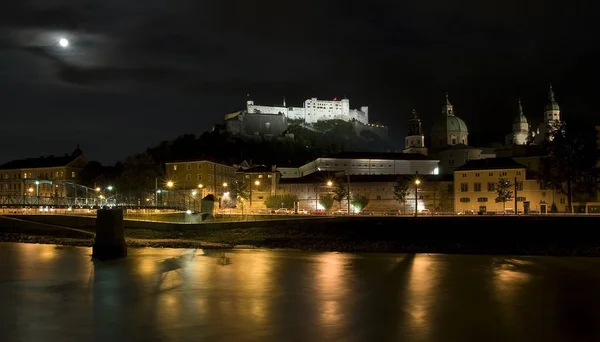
421	197
199	166
477	174
563	201
188	166
269	176
72	174
503	173
247	176
174	167
518	173
520	186
260	176
378	197
464	175
477	187
465	200
464	187
521	199
491	174
199	177
188	177
482	199
491	186
453	141
482	208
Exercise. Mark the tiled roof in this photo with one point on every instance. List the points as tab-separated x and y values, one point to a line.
490	164
32	163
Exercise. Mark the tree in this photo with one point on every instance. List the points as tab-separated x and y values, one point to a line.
401	191
503	191
281	201
139	175
569	160
359	202
326	201
238	191
340	191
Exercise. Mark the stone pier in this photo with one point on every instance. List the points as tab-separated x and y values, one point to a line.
110	238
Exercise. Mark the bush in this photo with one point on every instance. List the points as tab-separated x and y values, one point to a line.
281	201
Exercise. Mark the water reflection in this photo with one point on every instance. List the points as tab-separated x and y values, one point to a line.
177	295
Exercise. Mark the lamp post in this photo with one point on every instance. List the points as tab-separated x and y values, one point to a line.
37	189
417	182
257	183
170	185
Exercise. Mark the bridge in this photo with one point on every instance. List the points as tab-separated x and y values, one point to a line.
57	194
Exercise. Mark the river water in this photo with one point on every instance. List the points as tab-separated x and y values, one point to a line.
50	293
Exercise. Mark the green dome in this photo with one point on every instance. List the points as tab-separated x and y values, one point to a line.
552	105
520	119
449	124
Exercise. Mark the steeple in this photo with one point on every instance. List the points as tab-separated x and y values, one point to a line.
414	114
520	116
448	109
551	94
284	102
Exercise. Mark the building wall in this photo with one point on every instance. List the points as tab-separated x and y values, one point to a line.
18	182
371	166
468	197
315	110
454	158
260	185
289	172
207	176
433	195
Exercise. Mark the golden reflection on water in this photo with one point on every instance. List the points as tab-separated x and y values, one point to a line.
332	287
508	280
423	282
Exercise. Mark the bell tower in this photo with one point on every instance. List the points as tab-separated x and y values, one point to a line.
415	140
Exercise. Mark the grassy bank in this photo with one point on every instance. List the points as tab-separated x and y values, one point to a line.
513	236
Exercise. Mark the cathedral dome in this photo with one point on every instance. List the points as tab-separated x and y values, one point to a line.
449	124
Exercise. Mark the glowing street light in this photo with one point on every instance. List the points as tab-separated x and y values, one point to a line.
63	42
200	186
170	184
417	182
30	189
225	184
98	189
109	188
257	182
194	193
329	183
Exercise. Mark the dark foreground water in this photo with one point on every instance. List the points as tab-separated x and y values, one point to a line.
50	293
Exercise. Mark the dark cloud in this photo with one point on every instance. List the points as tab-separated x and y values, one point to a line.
192	61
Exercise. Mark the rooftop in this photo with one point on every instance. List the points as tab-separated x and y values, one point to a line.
41	162
490	164
379	155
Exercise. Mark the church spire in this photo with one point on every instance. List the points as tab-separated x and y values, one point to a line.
520	108
448	109
284	102
414	114
551	94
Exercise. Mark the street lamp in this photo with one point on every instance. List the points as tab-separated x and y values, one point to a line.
257	182
329	183
417	182
225	184
170	184
109	188
98	189
37	188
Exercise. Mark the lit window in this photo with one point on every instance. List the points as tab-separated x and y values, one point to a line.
260	176
73	174
175	167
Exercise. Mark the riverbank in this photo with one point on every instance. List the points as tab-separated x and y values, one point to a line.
558	236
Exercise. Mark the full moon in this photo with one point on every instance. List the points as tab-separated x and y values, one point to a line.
63	42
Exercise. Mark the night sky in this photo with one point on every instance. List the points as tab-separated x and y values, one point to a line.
139	72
